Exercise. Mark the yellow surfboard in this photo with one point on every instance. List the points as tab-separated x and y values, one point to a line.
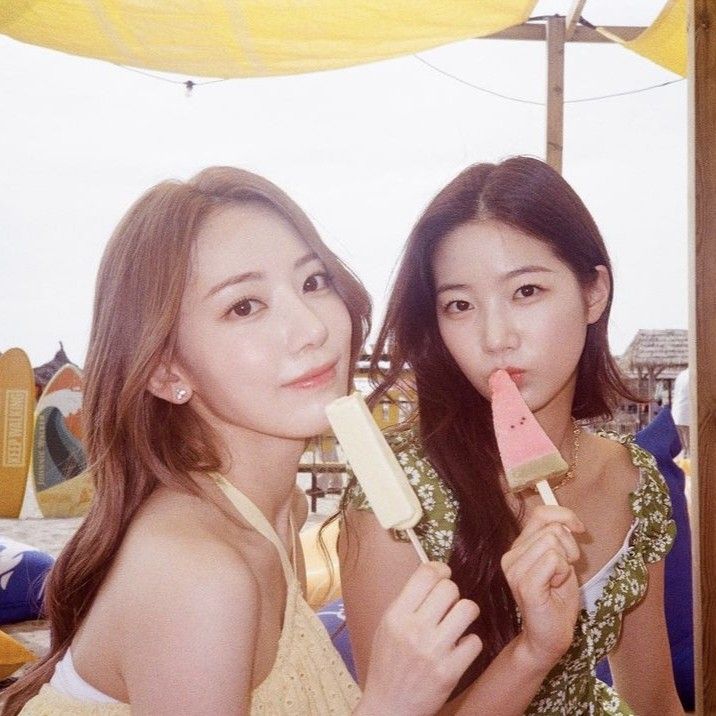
17	409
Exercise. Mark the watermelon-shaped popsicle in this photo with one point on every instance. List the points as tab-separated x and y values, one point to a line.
528	455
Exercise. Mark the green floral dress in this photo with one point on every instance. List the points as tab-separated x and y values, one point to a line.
571	687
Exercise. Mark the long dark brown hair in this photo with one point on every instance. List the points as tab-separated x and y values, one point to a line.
453	419
134	440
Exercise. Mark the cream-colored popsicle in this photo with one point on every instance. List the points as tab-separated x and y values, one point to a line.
379	473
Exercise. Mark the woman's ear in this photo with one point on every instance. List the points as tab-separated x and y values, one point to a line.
168	383
596	295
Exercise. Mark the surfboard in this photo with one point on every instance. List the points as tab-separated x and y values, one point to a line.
58	456
64	391
71	498
17	404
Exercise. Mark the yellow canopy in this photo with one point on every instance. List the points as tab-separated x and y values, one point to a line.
664	41
244	38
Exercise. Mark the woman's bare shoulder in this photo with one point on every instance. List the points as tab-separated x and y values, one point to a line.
179	544
612	454
615	476
172	575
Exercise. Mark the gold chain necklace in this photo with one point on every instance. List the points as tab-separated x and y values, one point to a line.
572	471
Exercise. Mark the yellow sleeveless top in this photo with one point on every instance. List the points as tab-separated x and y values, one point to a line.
308	676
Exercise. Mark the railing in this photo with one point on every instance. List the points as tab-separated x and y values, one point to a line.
316	468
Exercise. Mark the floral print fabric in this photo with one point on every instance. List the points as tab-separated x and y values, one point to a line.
571	687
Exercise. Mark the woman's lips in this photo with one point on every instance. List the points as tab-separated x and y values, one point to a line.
314	378
517	374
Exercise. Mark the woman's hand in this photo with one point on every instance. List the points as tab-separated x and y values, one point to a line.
539	571
419	651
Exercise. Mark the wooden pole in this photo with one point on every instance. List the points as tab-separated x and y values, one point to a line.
555	91
532	31
650	404
702	337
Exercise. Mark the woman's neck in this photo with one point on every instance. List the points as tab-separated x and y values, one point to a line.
264	468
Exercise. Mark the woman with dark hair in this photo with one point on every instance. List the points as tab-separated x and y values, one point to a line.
222	328
506	269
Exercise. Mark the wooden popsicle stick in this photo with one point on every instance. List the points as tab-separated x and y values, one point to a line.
546	493
416	543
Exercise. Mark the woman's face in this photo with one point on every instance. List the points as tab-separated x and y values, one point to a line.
264	339
504	300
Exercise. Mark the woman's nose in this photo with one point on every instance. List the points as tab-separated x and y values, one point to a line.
305	325
499	332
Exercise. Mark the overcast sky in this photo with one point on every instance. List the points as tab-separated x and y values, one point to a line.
361	149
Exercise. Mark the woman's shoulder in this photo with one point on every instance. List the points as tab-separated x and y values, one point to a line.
175	546
169	574
649	498
624	457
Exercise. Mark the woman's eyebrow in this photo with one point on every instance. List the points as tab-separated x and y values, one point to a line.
527	269
510	274
237	278
306	259
450	287
257	275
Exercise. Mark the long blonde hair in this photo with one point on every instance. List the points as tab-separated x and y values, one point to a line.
134	440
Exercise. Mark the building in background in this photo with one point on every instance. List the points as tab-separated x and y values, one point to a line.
651	363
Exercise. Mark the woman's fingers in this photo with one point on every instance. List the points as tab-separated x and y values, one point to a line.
420	649
439	601
441	617
457	620
465	652
537	581
542	515
420	584
552	536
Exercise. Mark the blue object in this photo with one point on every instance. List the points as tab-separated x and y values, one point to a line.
661	439
333	617
23	570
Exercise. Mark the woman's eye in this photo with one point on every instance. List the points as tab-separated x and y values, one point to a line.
316	282
527	291
245	307
458	306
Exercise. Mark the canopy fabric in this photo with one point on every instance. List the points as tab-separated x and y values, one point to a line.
664	41
245	38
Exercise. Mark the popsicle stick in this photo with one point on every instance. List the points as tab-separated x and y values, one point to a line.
546	493
416	543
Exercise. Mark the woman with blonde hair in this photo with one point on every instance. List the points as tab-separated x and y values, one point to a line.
222	328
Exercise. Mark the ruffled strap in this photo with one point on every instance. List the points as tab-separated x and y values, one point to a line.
650	503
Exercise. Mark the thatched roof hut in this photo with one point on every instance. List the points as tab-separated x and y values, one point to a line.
653	360
44	372
656	353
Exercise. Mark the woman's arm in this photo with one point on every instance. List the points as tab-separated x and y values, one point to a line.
420	648
641	660
374	567
405	625
506	687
